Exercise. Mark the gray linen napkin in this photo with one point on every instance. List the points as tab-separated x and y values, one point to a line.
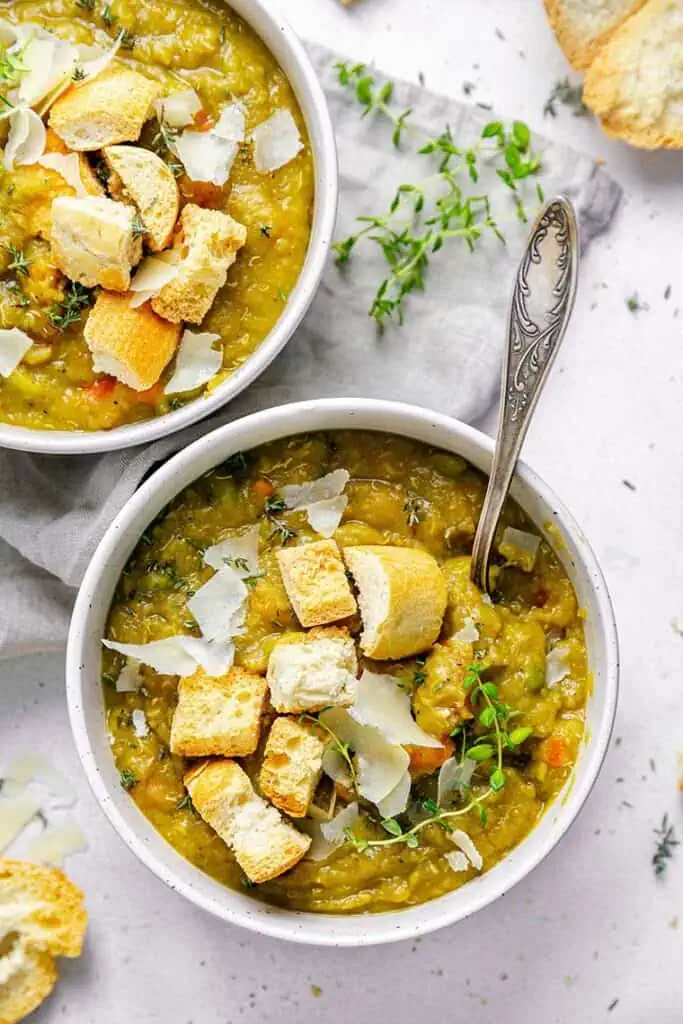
54	510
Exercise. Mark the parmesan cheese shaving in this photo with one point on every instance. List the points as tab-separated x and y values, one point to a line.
58	842
454	777
26	140
336	767
94	60
139	722
179	109
320	499
209	156
15	814
557	666
178	655
129	679
32	767
380	702
50	63
325	516
276	142
240	551
14	344
68	166
464	843
152	275
396	801
327	836
519	548
381	764
457	861
196	362
219	606
469	634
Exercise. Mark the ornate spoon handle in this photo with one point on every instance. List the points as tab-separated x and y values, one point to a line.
542	302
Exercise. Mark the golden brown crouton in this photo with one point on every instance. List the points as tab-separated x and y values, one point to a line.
315	580
310	671
93	241
109	109
218	715
402	598
264	844
207	242
150	184
292	766
41	916
133	345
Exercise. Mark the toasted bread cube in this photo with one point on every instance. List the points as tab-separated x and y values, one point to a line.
46	908
310	671
292	766
93	241
207	242
402	597
218	715
315	580
264	844
133	345
143	177
109	109
27	986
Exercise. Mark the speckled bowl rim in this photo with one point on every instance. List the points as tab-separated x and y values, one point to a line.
281	40
85	701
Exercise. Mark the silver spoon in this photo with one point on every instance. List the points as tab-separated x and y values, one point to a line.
542	303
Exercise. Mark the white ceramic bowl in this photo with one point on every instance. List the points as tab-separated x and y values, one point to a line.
86	705
271	27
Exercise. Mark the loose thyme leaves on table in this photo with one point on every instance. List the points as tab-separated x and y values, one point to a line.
423	217
494	716
570	96
664	848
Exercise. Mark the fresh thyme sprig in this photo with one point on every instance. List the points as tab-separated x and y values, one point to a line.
68	312
272	509
336	744
11	67
423	217
19	261
493	715
139	229
162	144
664	849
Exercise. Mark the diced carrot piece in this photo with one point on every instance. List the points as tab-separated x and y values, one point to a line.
263	488
426	760
203	193
555	752
53	143
202	121
101	388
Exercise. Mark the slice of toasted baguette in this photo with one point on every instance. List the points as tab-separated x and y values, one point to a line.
264	843
134	345
43	906
635	83
31	979
207	242
111	108
582	27
148	181
402	597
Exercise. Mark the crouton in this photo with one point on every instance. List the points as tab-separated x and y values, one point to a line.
151	185
42	916
207	242
310	671
634	83
264	844
402	597
133	345
109	109
93	241
292	766
582	27
218	715
316	583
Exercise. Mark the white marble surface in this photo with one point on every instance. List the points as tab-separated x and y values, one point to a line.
591	925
